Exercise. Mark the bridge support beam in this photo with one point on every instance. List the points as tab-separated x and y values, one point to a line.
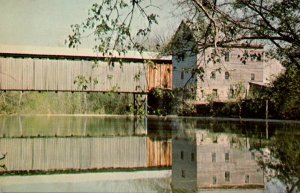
140	102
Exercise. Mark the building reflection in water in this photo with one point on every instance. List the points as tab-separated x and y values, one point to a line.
210	162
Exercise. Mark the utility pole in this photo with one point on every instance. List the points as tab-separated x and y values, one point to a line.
267	116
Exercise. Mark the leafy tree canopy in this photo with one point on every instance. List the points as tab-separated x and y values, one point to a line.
113	25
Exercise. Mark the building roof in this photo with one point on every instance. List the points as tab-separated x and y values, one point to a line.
261	84
196	31
77	53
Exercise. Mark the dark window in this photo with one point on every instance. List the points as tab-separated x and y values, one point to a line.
213	52
213	75
214	180
215	140
213	157
183	173
192	157
252	156
252	76
181	155
226	75
247	179
180	56
258	57
231	93
215	92
182	75
226	157
227	57
227	176
202	93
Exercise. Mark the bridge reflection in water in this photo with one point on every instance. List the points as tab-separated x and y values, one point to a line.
130	149
84	153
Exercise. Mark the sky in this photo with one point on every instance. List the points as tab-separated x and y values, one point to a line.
47	22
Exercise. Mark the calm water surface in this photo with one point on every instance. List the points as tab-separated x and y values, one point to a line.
124	154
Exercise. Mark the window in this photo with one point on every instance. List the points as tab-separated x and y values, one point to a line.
214	180
202	93
215	92
227	176
192	157
181	155
252	156
213	75
182	75
213	157
215	139
231	93
227	56
183	173
226	75
252	76
180	56
247	179
227	157
258	57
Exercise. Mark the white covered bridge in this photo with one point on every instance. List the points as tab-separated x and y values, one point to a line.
65	69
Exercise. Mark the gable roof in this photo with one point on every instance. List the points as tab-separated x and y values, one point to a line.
196	29
80	53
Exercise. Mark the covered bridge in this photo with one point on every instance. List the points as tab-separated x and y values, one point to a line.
71	70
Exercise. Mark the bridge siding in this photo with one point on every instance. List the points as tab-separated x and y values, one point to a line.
160	76
59	75
42	74
84	153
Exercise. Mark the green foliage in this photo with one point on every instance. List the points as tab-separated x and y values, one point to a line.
110	103
285	93
184	98
111	24
9	102
161	102
65	103
85	82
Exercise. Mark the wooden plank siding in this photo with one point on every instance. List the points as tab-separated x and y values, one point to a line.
82	153
160	76
159	153
48	154
60	75
57	74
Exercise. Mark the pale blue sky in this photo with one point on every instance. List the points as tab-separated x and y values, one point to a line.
47	22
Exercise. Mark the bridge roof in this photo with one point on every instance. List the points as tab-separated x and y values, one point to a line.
78	53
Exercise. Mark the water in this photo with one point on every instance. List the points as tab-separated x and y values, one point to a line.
124	154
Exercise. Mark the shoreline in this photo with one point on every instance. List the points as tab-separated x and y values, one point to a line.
157	117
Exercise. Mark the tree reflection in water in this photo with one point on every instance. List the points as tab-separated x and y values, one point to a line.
282	160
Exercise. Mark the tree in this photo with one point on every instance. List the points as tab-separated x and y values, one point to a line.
112	24
284	93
